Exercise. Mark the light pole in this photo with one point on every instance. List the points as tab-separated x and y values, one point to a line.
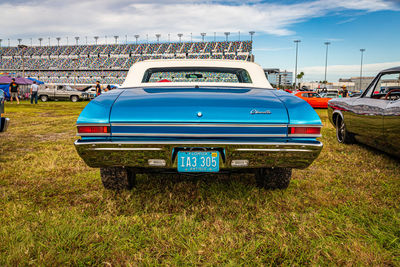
49	41
362	50
1	41
8	42
137	37
191	37
40	41
180	37
58	41
67	40
226	35
147	38
126	39
169	37
203	34
23	47
116	39
19	41
86	40
31	42
251	35
95	39
77	40
158	37
239	36
105	38
215	36
326	60
295	68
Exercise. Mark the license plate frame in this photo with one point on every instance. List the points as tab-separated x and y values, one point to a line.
205	161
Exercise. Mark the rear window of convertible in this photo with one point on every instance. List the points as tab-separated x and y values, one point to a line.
197	74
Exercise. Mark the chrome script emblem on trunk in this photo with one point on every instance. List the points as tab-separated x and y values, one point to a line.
255	111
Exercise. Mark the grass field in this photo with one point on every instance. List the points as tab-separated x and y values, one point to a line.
344	209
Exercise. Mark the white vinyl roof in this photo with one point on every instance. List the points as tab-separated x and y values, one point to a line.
137	71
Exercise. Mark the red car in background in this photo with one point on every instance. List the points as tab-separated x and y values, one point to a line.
314	99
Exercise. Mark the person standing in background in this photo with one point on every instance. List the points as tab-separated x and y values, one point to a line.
34	92
98	88
14	90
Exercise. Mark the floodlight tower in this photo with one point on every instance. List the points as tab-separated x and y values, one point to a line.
326	60
8	42
203	34
226	35
40	41
251	35
1	41
77	40
191	37
86	40
137	37
362	50
295	68
239	36
180	37
126	39
158	37
19	41
116	39
95	39
58	41
49	41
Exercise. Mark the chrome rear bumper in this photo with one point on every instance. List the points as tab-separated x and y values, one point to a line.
143	154
4	124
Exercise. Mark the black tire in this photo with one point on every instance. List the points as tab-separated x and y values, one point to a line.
342	135
276	178
118	178
74	98
44	98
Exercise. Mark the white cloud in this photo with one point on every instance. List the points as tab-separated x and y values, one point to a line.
88	18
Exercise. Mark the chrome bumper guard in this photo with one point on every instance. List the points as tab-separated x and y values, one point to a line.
233	155
4	124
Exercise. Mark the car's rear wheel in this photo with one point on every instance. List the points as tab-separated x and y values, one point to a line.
118	178
44	98
273	178
342	135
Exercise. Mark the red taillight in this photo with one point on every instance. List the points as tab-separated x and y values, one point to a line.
93	129
305	130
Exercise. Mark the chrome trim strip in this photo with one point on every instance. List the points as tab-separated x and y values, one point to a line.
197	125
80	142
128	148
305	125
273	150
93	134
92	124
197	135
305	135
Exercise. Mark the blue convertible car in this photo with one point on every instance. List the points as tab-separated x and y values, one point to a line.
197	116
3	120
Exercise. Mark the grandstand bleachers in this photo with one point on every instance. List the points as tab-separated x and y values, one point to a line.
85	64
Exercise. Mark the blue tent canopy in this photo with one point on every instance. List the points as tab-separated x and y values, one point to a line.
5	88
36	80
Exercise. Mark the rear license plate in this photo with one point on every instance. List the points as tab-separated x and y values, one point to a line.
198	161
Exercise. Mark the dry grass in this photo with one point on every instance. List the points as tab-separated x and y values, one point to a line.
342	210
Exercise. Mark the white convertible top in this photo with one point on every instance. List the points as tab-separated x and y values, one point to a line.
137	71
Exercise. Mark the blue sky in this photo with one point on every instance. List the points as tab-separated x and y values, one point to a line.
348	24
348	31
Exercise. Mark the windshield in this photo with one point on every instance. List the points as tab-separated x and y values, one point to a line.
196	74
